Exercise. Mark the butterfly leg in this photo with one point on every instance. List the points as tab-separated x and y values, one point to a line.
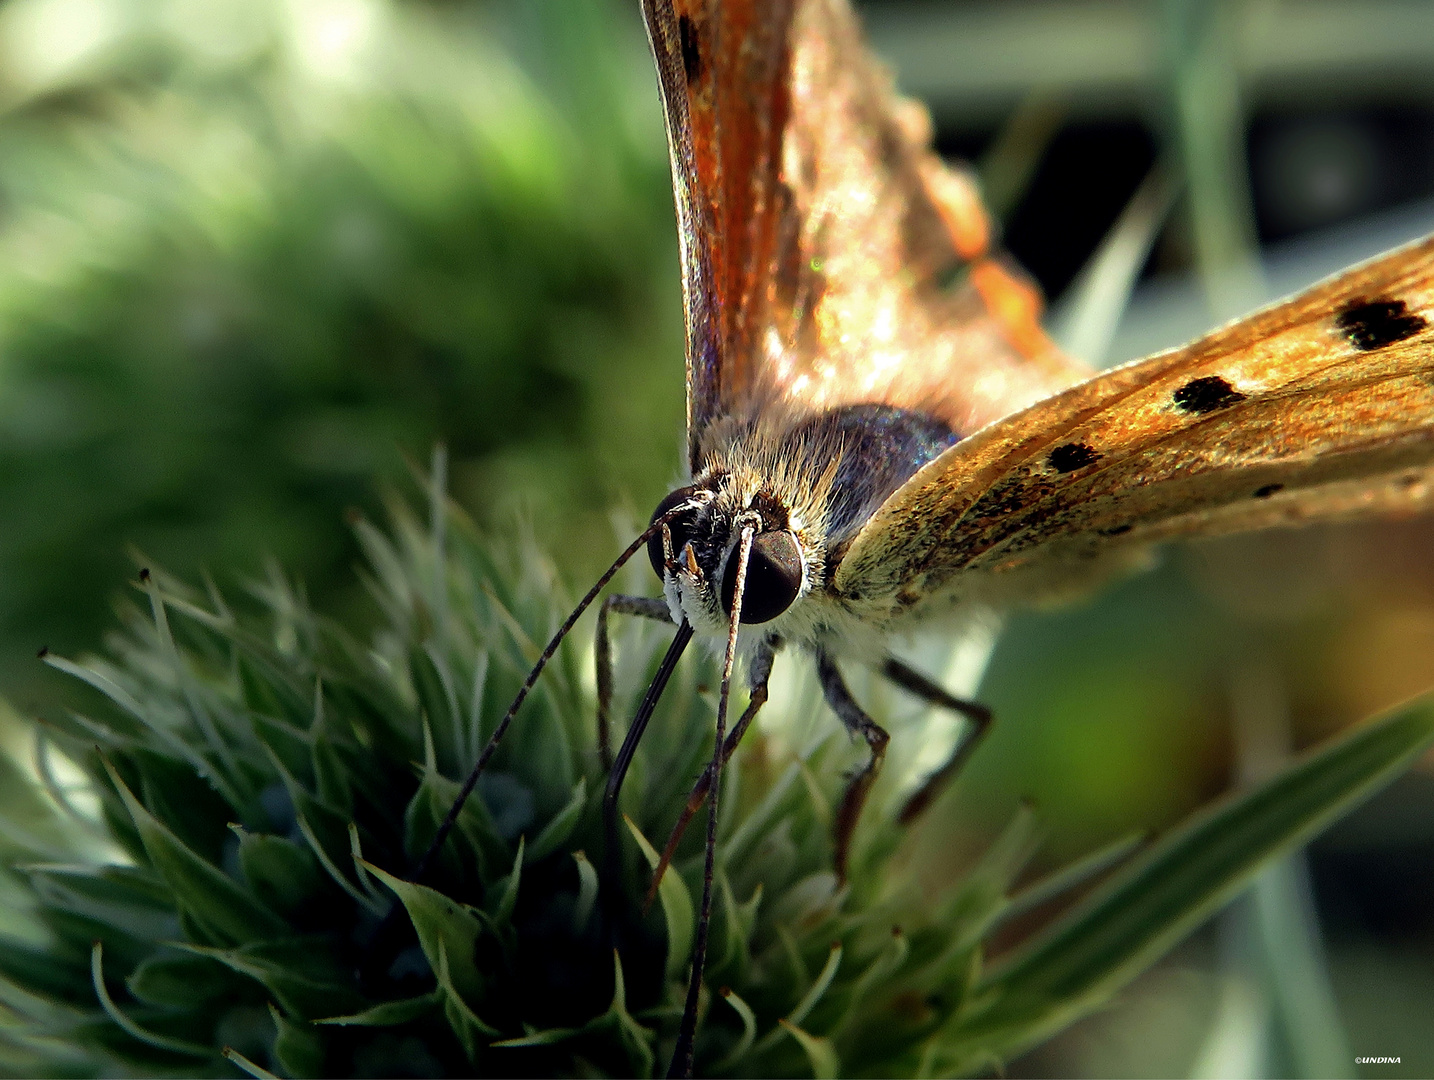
979	717
859	786
645	606
759	671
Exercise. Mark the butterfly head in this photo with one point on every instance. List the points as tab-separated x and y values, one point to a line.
696	554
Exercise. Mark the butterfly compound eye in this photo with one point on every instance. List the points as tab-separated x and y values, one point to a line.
774	577
680	527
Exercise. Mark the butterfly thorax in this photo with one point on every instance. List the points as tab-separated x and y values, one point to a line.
805	485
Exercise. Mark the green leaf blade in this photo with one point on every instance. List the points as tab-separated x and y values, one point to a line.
199	887
677	910
557	831
299	973
1180	881
388	1013
448	932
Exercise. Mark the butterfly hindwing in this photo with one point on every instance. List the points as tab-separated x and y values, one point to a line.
1316	408
829	256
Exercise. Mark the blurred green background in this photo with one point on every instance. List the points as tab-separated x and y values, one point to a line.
258	256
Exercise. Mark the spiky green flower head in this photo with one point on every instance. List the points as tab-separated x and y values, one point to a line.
254	790
269	782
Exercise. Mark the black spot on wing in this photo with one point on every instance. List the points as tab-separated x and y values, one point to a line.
1206	395
691	51
1373	324
1116	530
1071	456
1268	490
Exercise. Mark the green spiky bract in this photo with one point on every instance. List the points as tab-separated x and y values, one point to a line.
266	781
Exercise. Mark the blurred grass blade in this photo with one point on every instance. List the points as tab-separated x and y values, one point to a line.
1237	1042
1105	942
1009	165
1210	128
1099	296
1289	936
1072	876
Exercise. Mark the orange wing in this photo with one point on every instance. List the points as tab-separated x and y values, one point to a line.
828	255
1316	408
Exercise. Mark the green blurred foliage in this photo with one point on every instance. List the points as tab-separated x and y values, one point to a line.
252	253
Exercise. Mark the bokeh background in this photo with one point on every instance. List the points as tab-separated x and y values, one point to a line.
258	256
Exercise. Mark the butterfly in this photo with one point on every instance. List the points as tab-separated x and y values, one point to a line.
880	435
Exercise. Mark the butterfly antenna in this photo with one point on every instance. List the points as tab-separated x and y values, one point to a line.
425	863
682	1054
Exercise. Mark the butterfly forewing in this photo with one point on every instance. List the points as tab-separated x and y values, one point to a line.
1319	407
829	257
694	208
